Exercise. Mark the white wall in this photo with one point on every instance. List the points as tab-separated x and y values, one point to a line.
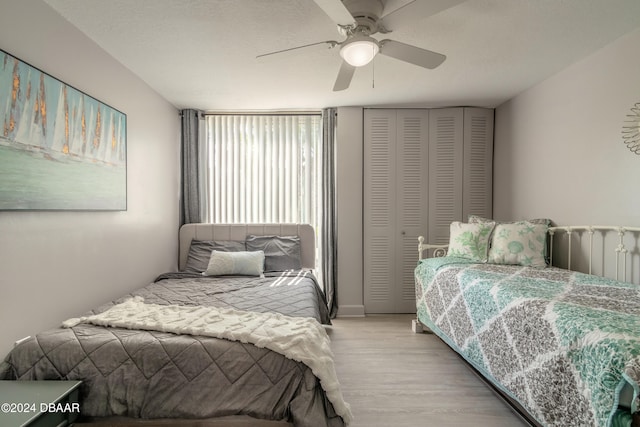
56	265
558	146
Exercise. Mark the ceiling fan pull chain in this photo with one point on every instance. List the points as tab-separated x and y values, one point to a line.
373	74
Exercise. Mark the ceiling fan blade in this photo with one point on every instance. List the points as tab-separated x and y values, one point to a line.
344	77
295	50
414	10
337	12
412	54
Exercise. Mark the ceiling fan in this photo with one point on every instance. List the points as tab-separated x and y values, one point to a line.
358	20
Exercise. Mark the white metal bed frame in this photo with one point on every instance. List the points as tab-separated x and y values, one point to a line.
621	250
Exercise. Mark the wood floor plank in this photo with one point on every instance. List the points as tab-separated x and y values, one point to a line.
393	377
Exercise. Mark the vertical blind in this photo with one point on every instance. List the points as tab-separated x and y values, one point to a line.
263	168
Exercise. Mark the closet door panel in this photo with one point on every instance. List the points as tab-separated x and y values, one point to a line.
411	166
445	172
423	169
477	197
379	210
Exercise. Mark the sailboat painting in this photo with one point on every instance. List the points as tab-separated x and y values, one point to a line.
60	149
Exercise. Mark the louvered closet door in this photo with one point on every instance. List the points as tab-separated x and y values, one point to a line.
445	171
379	210
412	152
477	196
394	206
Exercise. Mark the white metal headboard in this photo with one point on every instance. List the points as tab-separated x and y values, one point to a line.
438	250
621	250
239	232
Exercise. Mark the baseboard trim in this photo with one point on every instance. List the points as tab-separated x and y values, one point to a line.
351	311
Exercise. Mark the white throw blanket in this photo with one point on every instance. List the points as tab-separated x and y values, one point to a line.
298	338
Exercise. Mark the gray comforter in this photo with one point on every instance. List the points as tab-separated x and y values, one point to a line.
147	374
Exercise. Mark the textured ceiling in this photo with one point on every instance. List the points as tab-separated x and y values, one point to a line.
202	53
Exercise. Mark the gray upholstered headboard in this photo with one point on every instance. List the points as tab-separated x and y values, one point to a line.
241	231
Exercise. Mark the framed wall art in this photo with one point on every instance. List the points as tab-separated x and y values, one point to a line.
60	149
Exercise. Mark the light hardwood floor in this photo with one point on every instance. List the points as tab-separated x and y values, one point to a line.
393	377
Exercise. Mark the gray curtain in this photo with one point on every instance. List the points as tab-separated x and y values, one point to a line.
190	201
328	237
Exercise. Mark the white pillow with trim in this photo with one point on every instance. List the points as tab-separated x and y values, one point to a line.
235	264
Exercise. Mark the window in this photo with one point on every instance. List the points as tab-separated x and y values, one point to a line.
264	169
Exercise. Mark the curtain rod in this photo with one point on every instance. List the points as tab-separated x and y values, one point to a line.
203	114
264	113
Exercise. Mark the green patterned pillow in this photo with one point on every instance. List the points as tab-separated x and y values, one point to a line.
476	218
545	221
470	240
521	243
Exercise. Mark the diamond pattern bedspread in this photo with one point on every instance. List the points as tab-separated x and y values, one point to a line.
148	374
561	343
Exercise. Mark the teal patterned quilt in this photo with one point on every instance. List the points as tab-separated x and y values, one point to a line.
561	343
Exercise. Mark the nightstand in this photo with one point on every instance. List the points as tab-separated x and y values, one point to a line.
39	403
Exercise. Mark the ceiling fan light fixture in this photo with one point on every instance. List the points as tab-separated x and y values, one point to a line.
359	51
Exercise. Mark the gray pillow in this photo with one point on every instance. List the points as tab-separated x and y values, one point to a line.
200	252
280	252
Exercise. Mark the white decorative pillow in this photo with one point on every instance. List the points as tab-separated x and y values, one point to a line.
235	264
521	243
470	240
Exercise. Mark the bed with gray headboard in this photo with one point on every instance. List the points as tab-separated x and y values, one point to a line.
263	271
